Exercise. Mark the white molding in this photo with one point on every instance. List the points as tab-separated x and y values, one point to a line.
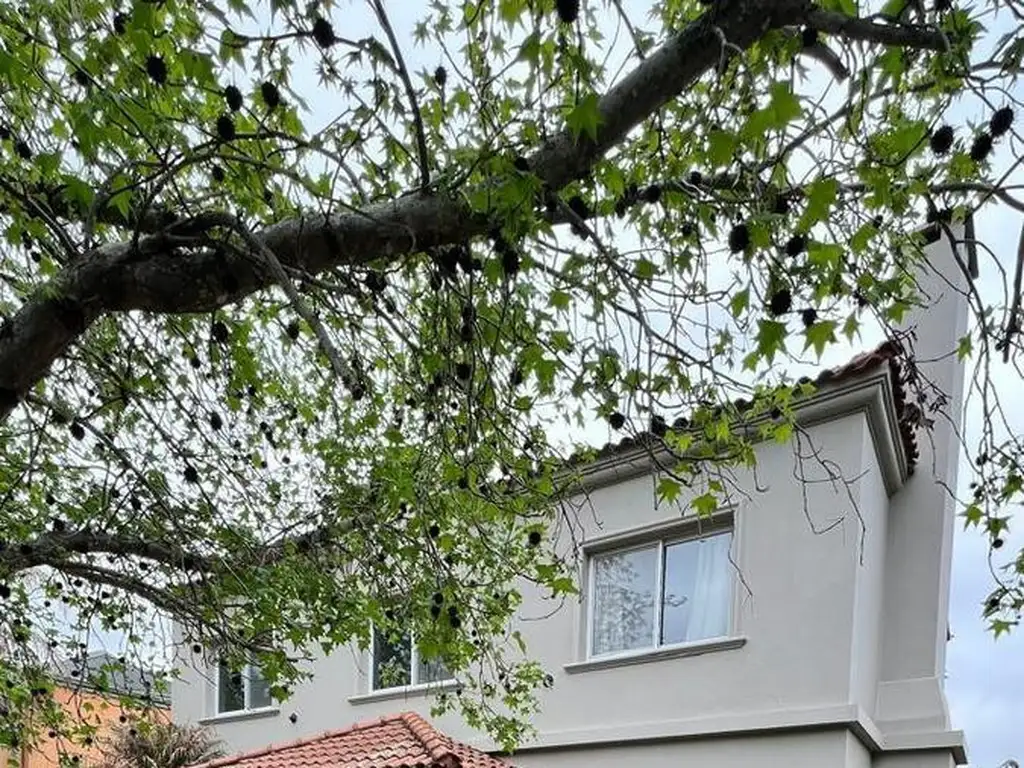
403	692
952	740
848	717
660	653
675	527
872	394
241	714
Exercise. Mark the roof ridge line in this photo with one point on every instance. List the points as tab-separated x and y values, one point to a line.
362	725
437	744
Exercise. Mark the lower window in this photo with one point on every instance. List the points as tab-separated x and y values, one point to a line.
395	663
238	691
661	593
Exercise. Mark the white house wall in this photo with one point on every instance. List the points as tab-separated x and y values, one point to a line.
809	595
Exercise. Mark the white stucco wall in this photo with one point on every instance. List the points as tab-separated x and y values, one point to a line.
804	596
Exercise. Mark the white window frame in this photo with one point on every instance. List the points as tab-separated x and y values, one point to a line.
414	663
246	673
659	543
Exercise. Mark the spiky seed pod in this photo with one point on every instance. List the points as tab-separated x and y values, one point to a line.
233	97
981	147
323	33
568	10
781	302
739	238
1001	121
941	140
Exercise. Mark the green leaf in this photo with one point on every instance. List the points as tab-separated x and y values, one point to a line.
964	347
819	335
771	338
705	505
721	148
585	118
821	196
972	516
740	302
669	489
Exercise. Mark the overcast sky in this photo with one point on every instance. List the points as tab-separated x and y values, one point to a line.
985	683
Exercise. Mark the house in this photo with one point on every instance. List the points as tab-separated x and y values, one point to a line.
93	691
803	626
405	740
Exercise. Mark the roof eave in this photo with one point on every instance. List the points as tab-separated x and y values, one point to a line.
873	394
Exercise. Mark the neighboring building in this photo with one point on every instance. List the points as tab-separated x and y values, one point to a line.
405	740
84	701
805	626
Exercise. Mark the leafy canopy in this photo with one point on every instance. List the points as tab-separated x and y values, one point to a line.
303	309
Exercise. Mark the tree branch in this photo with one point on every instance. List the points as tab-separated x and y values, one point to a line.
54	549
868	31
410	92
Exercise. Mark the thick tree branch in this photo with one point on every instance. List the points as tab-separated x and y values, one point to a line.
150	275
868	31
59	549
54	549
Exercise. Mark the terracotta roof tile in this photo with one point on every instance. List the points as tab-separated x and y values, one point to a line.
888	354
404	740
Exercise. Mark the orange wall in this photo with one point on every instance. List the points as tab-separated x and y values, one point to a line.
82	707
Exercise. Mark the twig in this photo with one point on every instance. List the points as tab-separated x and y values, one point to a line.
421	137
1012	323
339	366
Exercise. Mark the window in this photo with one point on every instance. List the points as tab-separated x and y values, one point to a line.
662	593
395	663
242	690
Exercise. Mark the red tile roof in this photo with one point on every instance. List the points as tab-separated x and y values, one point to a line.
404	740
888	354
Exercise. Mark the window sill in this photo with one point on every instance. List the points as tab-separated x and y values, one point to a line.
404	692
657	654
241	714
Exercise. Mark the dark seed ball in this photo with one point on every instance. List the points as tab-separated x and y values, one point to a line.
941	140
981	147
225	128
323	33
271	95
739	238
1001	121
233	97
568	10
156	68
781	302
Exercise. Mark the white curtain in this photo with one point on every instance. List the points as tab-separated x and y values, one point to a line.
711	595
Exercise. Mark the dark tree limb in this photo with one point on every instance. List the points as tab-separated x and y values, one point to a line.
870	31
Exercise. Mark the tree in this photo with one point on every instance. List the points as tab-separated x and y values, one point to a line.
161	745
303	348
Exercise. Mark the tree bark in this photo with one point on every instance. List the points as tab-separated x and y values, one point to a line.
148	274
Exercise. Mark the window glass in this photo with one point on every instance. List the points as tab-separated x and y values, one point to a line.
624	594
392	660
432	671
259	691
696	592
231	690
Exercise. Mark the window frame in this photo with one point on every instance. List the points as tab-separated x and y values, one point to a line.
658	538
246	672
414	663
